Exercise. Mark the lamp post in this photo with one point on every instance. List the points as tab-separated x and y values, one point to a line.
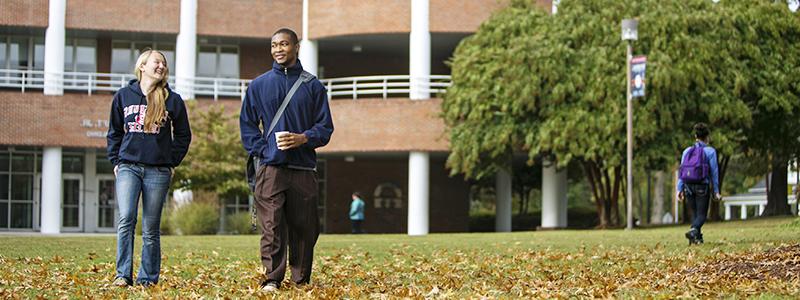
629	34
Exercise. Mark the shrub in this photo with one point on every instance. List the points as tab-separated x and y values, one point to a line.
196	218
238	223
577	218
166	224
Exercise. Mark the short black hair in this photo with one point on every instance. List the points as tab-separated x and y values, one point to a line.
700	130
357	194
291	33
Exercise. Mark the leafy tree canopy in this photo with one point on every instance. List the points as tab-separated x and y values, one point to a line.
216	160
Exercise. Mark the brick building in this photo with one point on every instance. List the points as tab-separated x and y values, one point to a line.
382	61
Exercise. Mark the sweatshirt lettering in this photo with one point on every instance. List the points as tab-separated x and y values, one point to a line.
138	122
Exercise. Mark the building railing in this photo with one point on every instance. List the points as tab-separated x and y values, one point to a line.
384	86
759	200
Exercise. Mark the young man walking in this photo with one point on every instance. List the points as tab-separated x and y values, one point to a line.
699	176
286	185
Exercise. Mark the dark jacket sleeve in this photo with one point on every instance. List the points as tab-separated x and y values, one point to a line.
249	119
320	134
116	129
181	132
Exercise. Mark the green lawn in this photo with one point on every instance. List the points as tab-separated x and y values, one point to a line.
742	258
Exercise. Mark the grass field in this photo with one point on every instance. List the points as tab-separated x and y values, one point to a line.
742	259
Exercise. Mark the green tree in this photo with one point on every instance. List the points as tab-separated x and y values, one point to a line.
216	159
555	85
770	57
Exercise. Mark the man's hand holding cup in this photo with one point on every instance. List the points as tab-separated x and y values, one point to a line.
287	140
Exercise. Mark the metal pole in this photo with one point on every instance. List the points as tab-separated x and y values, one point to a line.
629	182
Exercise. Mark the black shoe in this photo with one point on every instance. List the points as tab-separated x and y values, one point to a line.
146	284
693	235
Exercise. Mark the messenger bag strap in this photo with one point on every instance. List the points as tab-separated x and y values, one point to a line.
304	77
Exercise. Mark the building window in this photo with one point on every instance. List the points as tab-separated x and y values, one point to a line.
16	189
103	165
218	61
80	55
236	204
125	53
388	195
72	164
20	53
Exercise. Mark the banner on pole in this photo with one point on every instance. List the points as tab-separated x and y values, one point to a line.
637	76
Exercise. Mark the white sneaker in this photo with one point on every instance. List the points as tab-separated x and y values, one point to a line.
120	282
270	287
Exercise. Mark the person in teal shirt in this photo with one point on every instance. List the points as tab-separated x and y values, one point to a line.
357	213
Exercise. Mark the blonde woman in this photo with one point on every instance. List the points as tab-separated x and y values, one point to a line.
148	137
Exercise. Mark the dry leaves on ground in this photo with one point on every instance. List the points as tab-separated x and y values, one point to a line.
597	272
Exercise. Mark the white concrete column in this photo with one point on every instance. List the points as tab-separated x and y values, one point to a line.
54	41
308	56
727	212
743	212
419	62
186	50
90	195
418	176
502	221
308	48
51	190
554	198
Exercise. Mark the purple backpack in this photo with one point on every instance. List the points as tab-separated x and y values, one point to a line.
694	168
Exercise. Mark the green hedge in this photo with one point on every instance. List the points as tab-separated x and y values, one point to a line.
577	217
238	223
196	218
166	223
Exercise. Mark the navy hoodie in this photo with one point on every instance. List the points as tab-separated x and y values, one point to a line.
308	113
127	143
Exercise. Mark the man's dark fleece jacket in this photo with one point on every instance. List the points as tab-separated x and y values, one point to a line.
307	113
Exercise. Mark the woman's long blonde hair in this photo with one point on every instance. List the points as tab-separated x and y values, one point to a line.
157	97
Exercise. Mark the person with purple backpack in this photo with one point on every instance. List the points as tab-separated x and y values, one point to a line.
699	173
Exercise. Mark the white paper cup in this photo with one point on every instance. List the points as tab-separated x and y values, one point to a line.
277	137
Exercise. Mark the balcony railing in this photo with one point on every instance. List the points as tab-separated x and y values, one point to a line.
348	87
383	86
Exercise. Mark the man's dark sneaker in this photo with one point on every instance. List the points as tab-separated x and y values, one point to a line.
146	284
694	236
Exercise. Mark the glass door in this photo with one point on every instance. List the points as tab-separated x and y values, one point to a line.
72	202
106	205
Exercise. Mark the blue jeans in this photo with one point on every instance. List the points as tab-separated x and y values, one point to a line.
698	196
152	183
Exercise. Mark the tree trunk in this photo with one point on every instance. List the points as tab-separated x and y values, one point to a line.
605	188
658	199
599	189
777	194
614	197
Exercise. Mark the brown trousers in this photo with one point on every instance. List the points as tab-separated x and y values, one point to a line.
286	204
